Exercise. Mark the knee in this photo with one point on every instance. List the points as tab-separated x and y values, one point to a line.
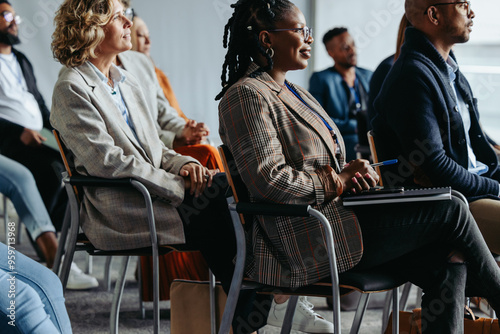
49	281
456	257
460	204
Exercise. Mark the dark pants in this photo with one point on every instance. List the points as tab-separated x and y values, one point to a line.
209	228
415	240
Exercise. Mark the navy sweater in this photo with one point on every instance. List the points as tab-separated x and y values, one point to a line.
417	121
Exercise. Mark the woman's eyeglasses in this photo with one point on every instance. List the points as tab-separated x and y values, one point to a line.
466	5
306	32
129	14
9	17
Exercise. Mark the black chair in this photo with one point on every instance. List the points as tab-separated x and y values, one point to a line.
366	282
72	240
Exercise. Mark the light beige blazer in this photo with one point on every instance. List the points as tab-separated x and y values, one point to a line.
103	145
169	123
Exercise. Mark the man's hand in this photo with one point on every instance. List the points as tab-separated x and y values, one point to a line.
197	177
31	138
192	134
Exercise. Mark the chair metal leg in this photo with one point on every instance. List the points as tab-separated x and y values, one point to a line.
71	240
333	267
62	240
211	286
234	290
88	264
418	301
6	219
385	312
360	313
403	300
154	245
107	276
19	234
286	328
395	311
156	292
117	296
142	309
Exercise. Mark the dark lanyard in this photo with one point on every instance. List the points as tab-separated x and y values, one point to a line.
332	132
300	98
355	93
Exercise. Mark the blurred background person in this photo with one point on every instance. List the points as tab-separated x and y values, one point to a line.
342	90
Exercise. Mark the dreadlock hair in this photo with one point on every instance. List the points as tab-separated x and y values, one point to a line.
241	36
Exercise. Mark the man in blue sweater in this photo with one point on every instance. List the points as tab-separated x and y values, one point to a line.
427	116
343	89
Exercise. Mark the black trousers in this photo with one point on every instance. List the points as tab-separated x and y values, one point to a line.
209	228
415	240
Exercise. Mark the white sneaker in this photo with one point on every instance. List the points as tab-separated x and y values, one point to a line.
304	320
78	280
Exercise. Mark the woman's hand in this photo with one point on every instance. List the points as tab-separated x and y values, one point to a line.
192	134
197	177
358	175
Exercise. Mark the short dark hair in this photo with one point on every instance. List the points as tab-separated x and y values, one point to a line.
332	33
5	1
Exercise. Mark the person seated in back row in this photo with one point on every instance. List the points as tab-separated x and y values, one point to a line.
342	90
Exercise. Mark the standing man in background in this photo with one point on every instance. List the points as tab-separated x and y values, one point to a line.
342	90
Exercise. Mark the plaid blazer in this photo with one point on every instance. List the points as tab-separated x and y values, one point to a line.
278	143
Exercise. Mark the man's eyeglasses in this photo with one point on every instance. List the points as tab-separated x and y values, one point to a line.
466	5
9	17
129	14
306	32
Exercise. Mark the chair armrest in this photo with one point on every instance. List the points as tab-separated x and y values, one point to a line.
91	181
267	209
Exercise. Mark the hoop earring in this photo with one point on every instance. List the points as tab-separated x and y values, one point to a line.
270	52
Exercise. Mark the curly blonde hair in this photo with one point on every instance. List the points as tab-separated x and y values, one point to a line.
79	30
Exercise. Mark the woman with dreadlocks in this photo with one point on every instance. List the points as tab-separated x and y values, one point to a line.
287	150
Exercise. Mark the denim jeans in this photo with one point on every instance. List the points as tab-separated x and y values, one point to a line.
415	240
39	300
18	184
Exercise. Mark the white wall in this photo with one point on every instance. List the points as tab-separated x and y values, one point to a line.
186	45
373	25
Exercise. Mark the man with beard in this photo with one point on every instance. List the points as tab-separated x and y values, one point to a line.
427	116
343	89
23	114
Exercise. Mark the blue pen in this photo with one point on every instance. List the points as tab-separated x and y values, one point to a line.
385	163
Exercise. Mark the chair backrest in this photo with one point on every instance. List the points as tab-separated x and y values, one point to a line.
373	150
238	187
